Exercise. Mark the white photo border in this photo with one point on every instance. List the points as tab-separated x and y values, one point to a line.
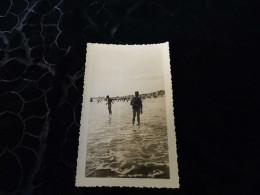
173	181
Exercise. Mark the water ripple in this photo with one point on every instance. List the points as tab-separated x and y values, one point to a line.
116	148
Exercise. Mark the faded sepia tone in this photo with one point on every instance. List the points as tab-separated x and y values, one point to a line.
117	148
126	121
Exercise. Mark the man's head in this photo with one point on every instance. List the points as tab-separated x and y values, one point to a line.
136	93
107	96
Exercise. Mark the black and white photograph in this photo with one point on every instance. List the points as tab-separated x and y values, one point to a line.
127	126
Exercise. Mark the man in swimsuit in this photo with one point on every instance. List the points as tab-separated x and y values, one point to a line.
137	106
109	103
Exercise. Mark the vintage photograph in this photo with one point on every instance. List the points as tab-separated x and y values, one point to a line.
127	126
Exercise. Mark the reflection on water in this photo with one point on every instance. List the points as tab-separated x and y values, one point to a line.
116	148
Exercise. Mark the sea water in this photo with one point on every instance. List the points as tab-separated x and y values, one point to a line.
117	148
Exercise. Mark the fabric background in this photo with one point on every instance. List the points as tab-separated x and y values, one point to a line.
214	53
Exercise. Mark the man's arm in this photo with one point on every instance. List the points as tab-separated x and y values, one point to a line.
141	104
131	102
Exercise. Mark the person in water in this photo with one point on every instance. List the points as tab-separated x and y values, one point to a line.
137	106
109	103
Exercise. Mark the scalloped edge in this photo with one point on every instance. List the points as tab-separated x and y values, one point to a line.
173	182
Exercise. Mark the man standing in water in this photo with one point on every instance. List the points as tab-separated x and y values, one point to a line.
137	106
109	103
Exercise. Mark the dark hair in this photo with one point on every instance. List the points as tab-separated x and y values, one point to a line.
107	96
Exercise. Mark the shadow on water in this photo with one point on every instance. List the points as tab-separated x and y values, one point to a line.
109	120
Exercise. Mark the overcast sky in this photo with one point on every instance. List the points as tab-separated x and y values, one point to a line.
122	70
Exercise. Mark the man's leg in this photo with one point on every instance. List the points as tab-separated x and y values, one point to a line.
138	117
134	113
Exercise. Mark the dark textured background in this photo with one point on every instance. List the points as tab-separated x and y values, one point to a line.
214	53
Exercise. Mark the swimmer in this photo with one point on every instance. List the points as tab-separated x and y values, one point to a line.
109	103
137	107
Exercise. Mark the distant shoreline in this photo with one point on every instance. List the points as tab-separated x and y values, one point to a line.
158	93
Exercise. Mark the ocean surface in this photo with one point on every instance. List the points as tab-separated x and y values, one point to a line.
116	148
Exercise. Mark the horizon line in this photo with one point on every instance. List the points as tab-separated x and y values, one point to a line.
128	95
